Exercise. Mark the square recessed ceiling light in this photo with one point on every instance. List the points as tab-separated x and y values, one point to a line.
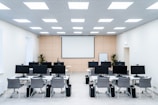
77	28
153	6
120	5
133	20
36	28
22	20
105	20
36	5
119	28
50	20
61	32
98	28
94	32
57	28
3	7
78	20
78	5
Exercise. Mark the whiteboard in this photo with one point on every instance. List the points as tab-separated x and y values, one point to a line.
103	57
77	46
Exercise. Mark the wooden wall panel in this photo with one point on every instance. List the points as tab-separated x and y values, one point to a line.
50	46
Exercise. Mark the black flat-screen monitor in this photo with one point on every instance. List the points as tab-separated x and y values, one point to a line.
40	69
137	69
31	64
92	64
101	70
108	64
58	69
120	69
48	64
22	69
119	63
59	63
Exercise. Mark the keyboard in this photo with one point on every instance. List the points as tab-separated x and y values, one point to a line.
21	77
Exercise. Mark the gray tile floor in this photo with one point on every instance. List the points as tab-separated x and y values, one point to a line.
80	95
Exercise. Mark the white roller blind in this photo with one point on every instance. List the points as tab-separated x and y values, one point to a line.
77	46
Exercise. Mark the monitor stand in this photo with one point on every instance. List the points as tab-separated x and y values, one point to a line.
119	75
136	75
23	75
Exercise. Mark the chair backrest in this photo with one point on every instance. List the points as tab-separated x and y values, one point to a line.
37	83
14	83
92	72
123	82
57	82
102	82
145	82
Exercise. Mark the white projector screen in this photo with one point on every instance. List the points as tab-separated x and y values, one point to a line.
77	46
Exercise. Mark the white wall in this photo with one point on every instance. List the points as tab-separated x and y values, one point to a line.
14	49
143	45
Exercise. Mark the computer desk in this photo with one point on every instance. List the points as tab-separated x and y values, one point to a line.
113	78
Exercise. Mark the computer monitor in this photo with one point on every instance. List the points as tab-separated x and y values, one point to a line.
120	70
59	63
40	69
101	70
108	64
92	64
137	70
31	64
48	64
119	63
58	69
23	69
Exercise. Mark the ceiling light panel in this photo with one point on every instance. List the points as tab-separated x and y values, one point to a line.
22	20
77	32
153	6
50	20
78	5
133	20
3	7
36	28
94	32
98	28
120	5
111	32
105	20
57	28
61	32
36	5
44	32
119	28
77	20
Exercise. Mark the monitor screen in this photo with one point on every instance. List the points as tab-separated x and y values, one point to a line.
22	69
92	64
137	69
48	64
119	63
58	69
31	64
101	70
40	69
120	69
59	63
108	64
